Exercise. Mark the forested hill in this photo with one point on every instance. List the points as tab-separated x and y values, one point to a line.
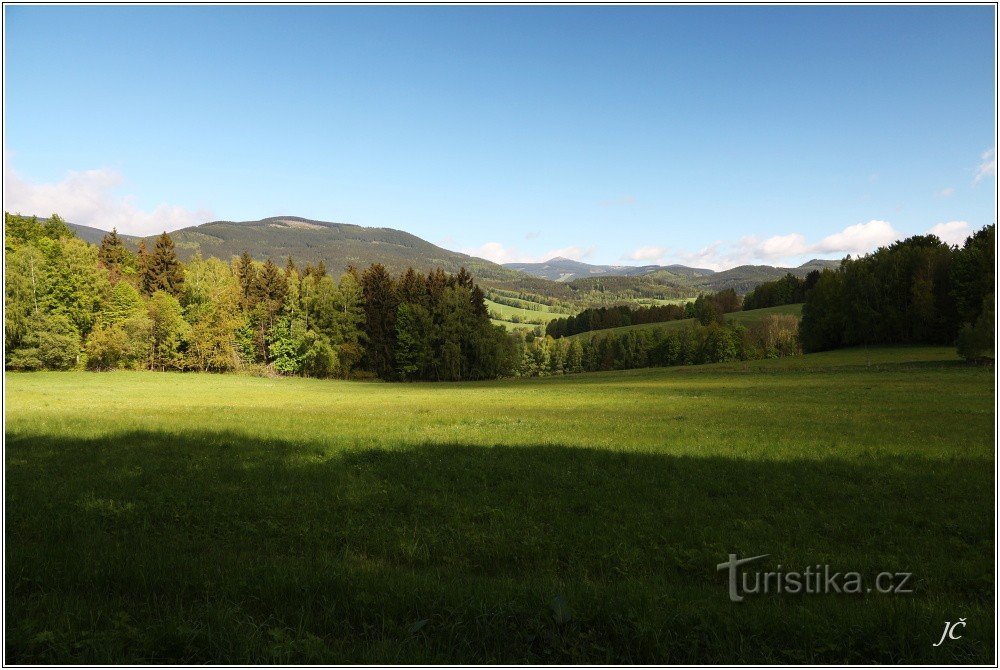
741	279
745	278
336	244
340	244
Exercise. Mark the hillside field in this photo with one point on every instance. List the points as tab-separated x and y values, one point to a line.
196	518
538	312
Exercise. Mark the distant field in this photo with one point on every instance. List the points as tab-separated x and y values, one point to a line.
662	301
194	518
539	312
510	325
747	318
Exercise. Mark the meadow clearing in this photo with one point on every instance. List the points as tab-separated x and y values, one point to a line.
528	316
197	518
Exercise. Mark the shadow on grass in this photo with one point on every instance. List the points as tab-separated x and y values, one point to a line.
206	547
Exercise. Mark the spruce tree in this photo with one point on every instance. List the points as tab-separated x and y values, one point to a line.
246	272
114	255
143	261
479	302
379	296
463	278
163	271
272	285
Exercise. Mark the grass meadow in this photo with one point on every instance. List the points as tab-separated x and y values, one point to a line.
527	318
536	311
158	517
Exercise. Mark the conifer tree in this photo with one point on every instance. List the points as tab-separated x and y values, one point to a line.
162	270
114	255
142	265
246	272
479	302
380	303
463	278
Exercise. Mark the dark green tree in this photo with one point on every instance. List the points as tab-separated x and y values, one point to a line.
115	256
246	274
380	302
161	269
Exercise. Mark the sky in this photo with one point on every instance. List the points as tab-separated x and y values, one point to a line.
710	136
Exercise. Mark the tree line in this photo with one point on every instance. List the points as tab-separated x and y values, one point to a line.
788	290
693	344
707	308
72	304
916	291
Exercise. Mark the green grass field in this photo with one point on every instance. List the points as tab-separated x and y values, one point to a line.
510	325
539	313
157	517
647	302
747	318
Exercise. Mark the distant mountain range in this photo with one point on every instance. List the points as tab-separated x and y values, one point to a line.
342	244
567	270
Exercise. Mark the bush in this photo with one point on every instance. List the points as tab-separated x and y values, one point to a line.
774	337
51	343
107	348
975	342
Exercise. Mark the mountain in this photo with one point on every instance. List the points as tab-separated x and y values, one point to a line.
308	241
340	244
565	269
95	235
819	264
743	278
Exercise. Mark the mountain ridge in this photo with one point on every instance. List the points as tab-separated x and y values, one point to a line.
339	245
336	244
562	269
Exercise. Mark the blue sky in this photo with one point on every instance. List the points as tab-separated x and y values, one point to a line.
710	136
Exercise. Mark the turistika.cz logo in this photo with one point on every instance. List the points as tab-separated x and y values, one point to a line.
814	579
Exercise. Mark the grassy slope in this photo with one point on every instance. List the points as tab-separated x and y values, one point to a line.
510	325
646	302
747	318
506	311
199	518
544	313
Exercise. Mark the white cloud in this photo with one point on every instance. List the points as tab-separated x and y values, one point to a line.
498	253
792	248
946	192
780	246
858	239
988	166
952	232
653	254
708	257
532	234
88	198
